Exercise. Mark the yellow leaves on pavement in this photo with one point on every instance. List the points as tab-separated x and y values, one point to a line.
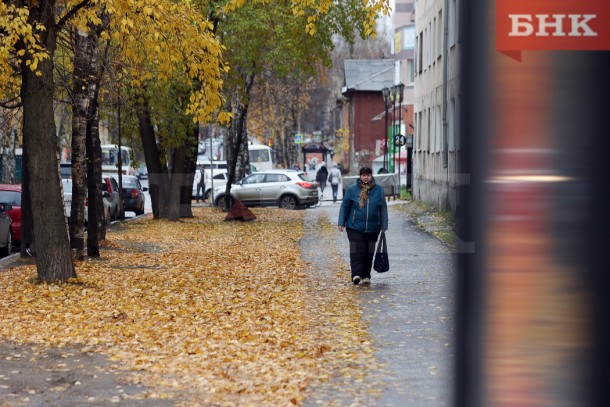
201	310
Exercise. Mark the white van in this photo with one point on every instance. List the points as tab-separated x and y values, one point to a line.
261	157
110	159
220	165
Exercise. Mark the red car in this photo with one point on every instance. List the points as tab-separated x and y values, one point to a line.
11	194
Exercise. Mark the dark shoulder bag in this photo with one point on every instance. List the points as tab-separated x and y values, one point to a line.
382	262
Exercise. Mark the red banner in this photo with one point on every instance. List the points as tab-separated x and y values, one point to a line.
524	25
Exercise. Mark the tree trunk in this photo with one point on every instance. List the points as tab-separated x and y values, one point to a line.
190	166
53	259
177	182
94	145
96	220
80	108
158	178
237	148
27	224
8	159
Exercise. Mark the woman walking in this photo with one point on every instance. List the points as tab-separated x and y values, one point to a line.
321	177
364	213
334	177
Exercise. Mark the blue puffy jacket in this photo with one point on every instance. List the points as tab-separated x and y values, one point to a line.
372	217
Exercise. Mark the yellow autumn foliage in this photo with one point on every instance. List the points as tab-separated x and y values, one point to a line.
203	311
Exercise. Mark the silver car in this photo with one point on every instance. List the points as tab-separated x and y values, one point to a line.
6	242
67	189
287	189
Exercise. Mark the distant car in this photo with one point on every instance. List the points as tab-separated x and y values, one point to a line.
6	240
142	172
216	164
220	179
133	195
67	189
65	170
11	194
287	189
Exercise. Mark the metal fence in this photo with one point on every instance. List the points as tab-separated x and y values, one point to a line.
389	183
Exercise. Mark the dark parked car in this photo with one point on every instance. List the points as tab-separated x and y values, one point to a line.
142	172
65	170
6	241
11	194
133	195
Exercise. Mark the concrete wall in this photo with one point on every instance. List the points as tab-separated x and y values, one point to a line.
434	179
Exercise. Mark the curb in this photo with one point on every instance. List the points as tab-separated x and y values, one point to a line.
10	261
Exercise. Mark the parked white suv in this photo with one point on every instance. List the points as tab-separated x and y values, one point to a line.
287	189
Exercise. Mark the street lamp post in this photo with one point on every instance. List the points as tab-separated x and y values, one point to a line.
399	89
386	101
393	93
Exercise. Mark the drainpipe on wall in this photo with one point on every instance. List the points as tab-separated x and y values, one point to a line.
444	87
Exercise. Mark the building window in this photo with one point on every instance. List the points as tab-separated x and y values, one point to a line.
452	23
408	38
433	34
415	127
420	49
432	124
429	132
451	124
410	71
426	39
438	130
441	38
430	45
424	132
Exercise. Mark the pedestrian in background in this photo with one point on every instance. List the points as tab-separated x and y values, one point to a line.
200	178
363	213
321	176
334	178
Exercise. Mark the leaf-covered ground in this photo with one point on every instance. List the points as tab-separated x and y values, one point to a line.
202	311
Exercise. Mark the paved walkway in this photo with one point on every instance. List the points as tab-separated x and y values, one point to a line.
327	194
409	311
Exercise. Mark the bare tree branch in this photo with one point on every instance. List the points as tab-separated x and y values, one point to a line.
14	103
71	13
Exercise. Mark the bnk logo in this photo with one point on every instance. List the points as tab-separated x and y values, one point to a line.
525	25
543	25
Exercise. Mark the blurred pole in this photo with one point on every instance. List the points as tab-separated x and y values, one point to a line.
121	215
532	300
211	172
386	150
473	22
592	111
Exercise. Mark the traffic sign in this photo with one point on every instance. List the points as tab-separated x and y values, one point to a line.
298	138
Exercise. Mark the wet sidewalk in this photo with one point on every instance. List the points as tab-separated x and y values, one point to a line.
409	312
